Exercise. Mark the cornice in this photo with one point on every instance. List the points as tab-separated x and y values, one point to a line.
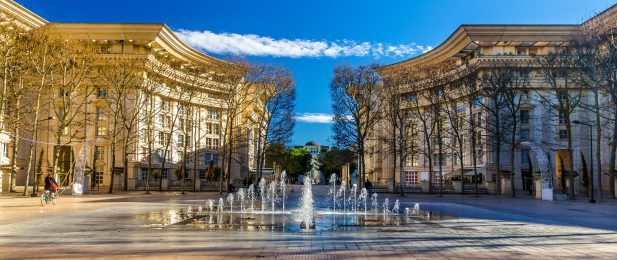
23	15
466	36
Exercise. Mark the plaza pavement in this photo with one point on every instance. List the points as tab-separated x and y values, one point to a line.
106	226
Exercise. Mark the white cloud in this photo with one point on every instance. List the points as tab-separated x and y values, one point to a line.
256	45
319	118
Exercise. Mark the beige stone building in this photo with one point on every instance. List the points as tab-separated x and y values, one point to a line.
184	113
482	47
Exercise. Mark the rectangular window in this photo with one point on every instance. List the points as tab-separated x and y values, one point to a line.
563	134
478	102
562	118
524	156
164	173
99	153
100	114
213	114
524	134
411	177
163	138
98	175
165	105
202	174
438	159
181	140
5	150
101	129
106	49
524	118
215	144
215	159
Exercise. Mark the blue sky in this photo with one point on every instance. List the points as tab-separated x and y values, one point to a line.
311	37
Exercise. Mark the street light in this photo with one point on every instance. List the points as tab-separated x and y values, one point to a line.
591	200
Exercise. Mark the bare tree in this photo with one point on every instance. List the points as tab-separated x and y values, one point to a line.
235	99
121	79
69	93
399	129
560	70
276	119
356	94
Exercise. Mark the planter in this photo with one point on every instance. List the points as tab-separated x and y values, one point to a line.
197	184
426	187
164	184
4	181
490	186
458	186
538	188
505	186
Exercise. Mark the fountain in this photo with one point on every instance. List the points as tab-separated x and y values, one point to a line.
283	187
386	206
251	194
374	202
341	193
262	193
241	197
230	200
363	196
309	213
210	204
306	205
333	191
396	207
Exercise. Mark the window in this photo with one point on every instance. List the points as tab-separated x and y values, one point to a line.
521	51
99	153
181	140
100	114
411	97
4	152
215	159
478	102
101	92
478	138
213	114
524	156
165	121
563	134
165	105
411	177
101	129
106	49
524	117
438	158
163	138
143	174
562	118
523	74
202	174
215	144
164	174
182	110
98	175
480	156
478	119
524	134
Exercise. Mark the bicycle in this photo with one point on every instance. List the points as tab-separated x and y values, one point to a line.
48	197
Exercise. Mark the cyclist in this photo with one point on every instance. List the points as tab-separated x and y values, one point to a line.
50	184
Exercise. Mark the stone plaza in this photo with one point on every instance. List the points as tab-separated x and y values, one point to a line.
127	225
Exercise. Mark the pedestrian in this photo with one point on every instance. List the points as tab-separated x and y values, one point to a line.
369	186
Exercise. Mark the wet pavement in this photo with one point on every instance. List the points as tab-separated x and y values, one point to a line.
133	225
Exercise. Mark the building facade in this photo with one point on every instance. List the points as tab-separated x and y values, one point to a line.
177	112
477	51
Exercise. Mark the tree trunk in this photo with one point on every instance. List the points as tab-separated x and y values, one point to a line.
229	157
512	150
571	195
598	147
613	154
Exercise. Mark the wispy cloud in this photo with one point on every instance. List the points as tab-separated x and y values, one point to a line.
256	45
319	118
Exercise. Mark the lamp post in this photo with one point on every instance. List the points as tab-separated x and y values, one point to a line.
591	200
